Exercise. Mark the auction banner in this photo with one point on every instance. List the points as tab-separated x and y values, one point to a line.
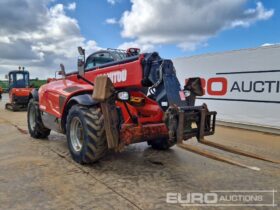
242	86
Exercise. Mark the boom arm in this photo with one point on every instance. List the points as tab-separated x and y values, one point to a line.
178	104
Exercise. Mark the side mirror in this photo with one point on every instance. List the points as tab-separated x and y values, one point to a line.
62	71
81	51
6	76
81	61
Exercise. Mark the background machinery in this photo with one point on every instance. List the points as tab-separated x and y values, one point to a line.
19	89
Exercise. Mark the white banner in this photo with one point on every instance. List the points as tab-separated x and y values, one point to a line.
242	86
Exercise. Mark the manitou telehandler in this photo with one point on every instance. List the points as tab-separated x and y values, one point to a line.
19	89
117	98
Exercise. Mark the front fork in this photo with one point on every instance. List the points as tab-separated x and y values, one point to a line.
190	121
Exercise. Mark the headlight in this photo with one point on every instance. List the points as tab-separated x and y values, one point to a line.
187	93
123	96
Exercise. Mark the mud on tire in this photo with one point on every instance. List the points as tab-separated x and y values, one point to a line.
85	133
35	126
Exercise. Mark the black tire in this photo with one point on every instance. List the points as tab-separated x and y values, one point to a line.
92	143
161	144
35	125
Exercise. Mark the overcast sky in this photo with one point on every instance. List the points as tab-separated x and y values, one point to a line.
41	34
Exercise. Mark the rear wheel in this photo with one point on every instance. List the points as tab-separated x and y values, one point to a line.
35	125
86	134
161	144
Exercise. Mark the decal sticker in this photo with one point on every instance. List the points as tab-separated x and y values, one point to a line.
117	76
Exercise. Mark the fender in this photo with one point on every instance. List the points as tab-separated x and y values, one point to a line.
84	99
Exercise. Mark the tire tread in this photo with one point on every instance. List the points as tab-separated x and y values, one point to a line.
95	145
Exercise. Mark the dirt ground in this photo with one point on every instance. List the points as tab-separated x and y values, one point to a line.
40	174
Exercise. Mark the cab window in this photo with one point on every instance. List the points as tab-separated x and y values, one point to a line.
98	59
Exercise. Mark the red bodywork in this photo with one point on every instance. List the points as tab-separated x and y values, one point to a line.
19	93
54	96
19	89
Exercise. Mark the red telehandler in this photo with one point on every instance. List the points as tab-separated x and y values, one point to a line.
117	98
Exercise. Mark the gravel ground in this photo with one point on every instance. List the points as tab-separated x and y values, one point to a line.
40	174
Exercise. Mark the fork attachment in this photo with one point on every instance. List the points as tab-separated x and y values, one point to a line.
195	121
183	119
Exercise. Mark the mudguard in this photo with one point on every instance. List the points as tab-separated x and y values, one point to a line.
85	99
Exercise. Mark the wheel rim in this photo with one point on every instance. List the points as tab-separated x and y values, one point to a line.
32	117
76	134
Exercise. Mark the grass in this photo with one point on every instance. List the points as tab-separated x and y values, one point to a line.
35	82
4	84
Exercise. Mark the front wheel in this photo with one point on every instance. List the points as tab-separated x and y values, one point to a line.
85	132
35	125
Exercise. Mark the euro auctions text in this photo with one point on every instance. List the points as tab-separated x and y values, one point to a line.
224	198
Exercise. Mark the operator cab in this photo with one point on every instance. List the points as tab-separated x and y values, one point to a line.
18	79
102	57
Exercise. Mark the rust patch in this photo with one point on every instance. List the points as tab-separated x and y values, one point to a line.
135	134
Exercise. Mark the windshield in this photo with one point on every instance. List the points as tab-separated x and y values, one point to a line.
19	79
119	55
